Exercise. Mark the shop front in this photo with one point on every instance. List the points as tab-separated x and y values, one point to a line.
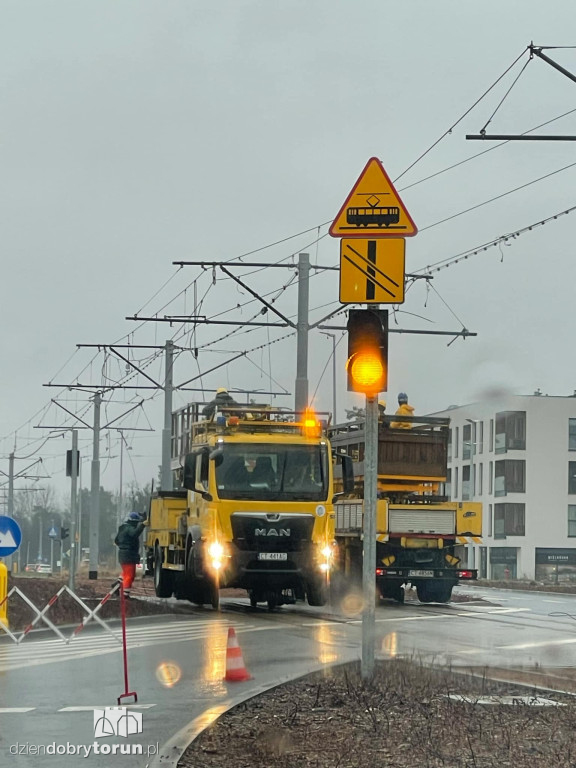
503	563
556	566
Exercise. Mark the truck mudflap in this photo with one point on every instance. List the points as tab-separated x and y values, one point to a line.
453	575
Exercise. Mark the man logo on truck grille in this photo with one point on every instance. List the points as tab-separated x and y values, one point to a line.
272	532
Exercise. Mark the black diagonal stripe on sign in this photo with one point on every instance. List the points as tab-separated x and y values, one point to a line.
371	266
344	255
370	285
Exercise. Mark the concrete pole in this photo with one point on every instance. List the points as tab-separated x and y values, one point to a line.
10	499
334	377
301	387
166	473
94	540
74	548
369	542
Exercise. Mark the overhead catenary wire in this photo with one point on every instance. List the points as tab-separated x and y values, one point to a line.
467	112
498	197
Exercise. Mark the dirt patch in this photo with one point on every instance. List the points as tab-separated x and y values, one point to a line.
402	719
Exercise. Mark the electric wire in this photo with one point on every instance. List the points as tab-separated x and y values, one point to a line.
449	131
497	197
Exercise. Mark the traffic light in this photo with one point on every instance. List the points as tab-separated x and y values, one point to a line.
367	363
64	533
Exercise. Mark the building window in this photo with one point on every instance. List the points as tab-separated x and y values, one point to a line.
480	479
509	520
490	476
572	477
571	520
510	431
449	445
467	450
456	443
448	485
455	494
480	436
572	434
491	443
466	484
489	519
510	477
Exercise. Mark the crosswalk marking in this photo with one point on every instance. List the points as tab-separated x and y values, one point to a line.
104	706
40	652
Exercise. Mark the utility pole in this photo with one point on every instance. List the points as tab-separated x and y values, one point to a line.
333	337
10	499
166	472
74	545
94	540
302	328
369	542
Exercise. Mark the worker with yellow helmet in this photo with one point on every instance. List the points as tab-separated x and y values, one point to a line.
403	410
221	400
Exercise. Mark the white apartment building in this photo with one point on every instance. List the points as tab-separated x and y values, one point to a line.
518	457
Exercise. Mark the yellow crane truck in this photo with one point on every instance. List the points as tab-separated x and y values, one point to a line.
420	535
254	510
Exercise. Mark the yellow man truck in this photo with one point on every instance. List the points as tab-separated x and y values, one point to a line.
254	511
420	535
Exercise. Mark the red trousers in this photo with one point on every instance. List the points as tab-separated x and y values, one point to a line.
128	574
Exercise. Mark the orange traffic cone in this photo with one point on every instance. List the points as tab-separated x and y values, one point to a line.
235	670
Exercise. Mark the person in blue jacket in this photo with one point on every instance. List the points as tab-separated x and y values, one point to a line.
128	542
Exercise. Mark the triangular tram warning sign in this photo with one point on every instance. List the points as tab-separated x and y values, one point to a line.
373	208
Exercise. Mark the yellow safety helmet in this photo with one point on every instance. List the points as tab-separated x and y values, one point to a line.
382	403
220	390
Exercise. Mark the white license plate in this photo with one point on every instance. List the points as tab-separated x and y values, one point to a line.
272	556
426	574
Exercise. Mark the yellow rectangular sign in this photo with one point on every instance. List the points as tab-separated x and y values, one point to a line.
372	271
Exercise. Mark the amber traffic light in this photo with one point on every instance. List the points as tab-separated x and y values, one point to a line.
367	364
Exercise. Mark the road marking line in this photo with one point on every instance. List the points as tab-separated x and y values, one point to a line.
8	710
541	644
104	706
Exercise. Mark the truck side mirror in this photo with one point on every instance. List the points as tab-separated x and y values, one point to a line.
347	473
190	472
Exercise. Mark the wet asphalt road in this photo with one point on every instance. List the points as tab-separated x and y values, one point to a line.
48	690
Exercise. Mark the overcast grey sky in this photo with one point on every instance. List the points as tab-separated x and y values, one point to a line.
136	134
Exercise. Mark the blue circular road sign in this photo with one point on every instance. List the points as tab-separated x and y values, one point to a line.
10	536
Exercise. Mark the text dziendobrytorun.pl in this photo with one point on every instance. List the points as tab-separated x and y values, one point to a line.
84	750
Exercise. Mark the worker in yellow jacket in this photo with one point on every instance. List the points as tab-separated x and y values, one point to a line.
403	410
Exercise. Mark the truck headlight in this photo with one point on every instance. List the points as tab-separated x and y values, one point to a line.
216	553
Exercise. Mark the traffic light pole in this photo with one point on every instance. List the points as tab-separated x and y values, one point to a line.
369	540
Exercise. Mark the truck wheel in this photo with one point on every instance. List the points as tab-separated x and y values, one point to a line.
317	592
194	588
272	600
434	593
163	578
423	591
212	594
253	599
441	593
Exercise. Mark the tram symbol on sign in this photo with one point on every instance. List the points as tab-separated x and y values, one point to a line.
374	215
373	205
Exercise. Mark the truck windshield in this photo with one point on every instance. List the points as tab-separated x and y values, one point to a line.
272	472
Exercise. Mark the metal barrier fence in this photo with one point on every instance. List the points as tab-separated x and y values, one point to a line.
41	615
